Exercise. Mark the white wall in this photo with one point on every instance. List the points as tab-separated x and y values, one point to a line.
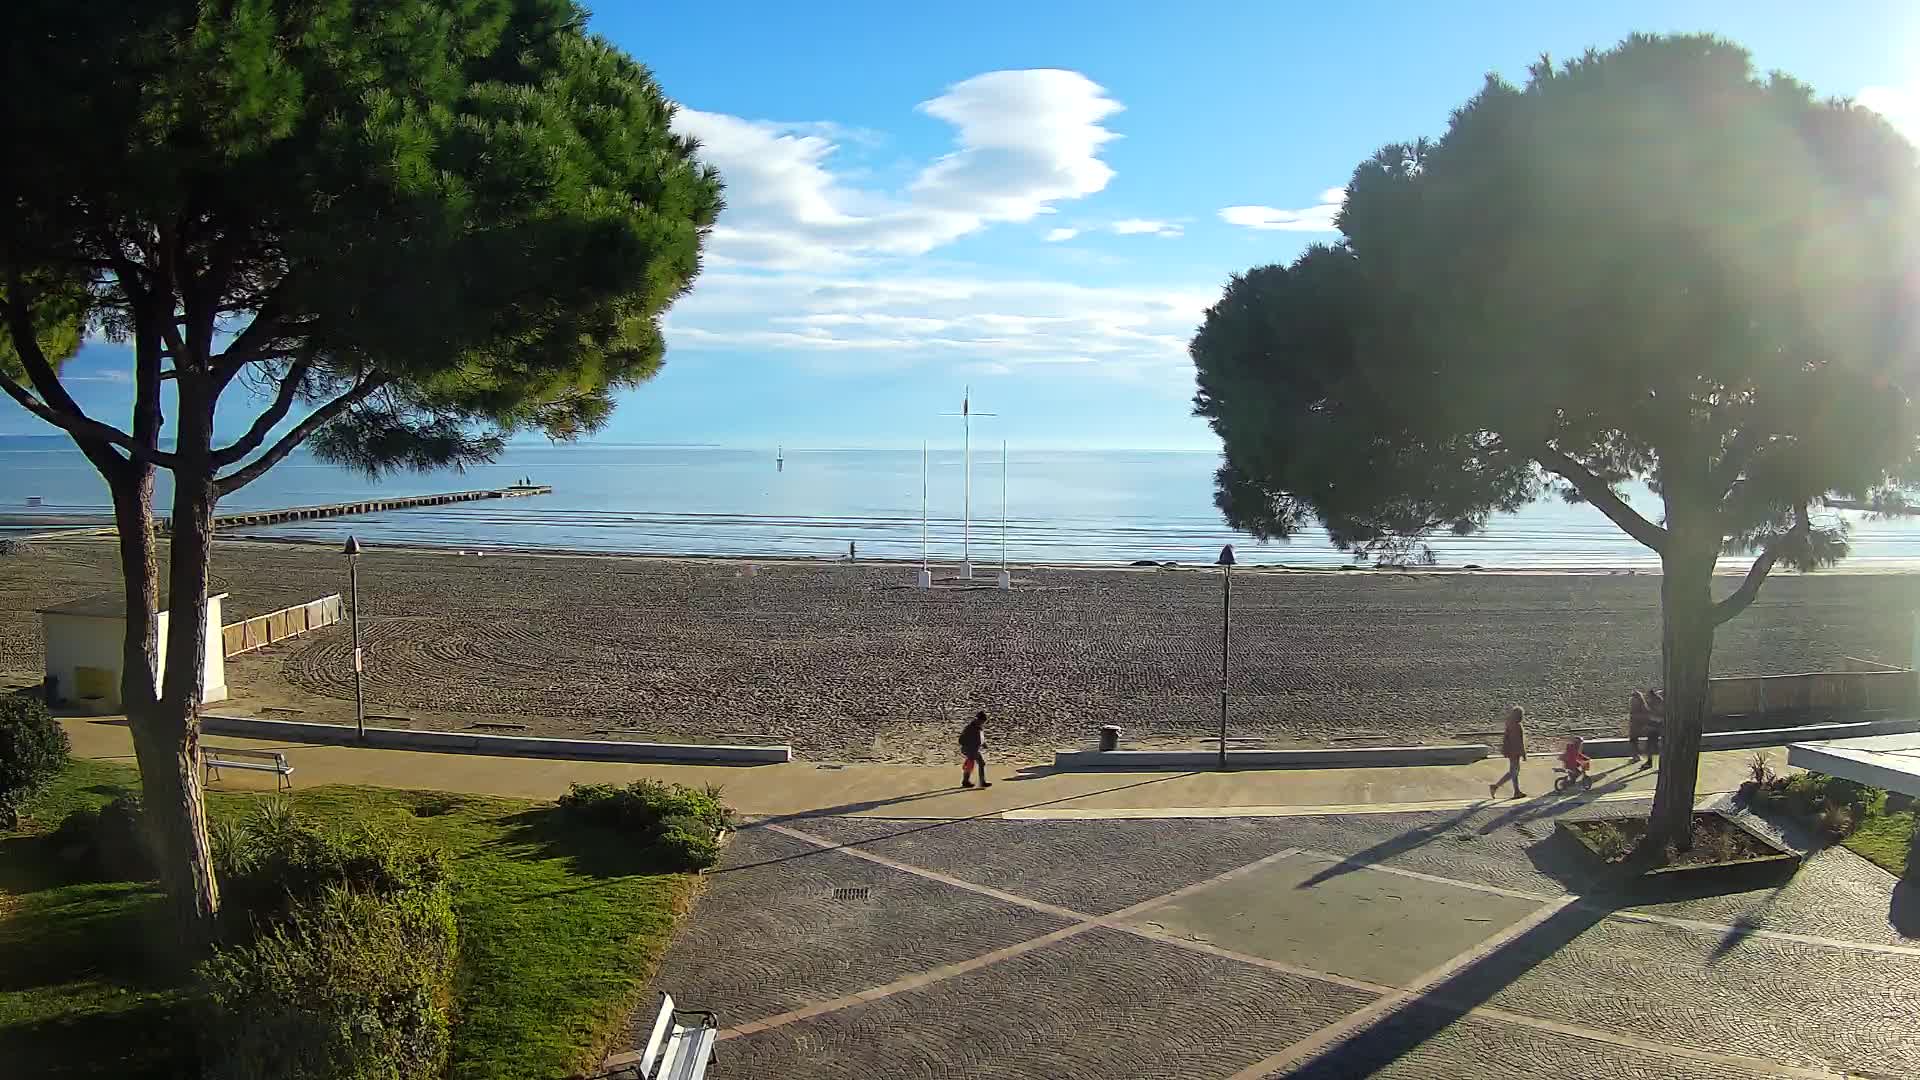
76	641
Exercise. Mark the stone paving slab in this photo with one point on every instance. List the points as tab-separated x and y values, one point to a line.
769	936
1104	1005
1422	1043
1097	867
1835	894
1325	915
1804	1005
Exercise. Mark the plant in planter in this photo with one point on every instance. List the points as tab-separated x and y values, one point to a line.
1718	843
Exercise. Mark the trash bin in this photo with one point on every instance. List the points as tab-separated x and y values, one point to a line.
1109	737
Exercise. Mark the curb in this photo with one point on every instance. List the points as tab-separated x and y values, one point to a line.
1358	757
1741	740
449	742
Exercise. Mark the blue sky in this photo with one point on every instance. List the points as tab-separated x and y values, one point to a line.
1039	199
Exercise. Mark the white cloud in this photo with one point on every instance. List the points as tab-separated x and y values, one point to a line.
1901	106
1055	236
1316	218
1146	227
1024	141
915	319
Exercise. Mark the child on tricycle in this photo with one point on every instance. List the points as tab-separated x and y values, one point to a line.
1575	766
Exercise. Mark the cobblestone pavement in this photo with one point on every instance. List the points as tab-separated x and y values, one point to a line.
1462	944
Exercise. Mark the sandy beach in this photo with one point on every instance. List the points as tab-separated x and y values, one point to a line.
852	663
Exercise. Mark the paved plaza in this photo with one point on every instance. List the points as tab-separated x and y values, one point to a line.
1465	942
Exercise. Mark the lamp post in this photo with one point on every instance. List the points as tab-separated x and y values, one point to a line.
352	551
1226	620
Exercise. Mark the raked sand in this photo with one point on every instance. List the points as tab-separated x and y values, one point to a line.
852	663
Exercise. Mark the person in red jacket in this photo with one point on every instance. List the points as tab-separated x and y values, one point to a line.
1574	759
1513	746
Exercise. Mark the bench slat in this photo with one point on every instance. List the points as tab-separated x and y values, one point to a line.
688	1053
658	1040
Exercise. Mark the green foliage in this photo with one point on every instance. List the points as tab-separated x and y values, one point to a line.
272	862
1646	263
350	985
1609	840
33	749
554	952
112	843
1760	768
675	822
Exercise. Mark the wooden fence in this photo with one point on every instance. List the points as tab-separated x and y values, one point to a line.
279	625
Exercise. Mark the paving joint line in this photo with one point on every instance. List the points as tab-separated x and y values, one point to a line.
1386	1006
1762	1066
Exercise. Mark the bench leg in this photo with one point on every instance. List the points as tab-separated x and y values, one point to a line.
283	782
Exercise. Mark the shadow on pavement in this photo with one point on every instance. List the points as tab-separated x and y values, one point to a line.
1385	849
1370	1050
850	808
1904	911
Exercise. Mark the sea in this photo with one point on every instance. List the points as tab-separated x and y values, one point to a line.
1035	506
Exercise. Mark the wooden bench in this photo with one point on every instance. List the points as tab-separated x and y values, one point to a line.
677	1050
216	758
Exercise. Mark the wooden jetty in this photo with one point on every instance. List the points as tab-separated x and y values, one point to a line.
373	506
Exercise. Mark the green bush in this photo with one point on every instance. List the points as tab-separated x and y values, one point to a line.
674	822
1609	841
33	750
349	986
272	862
112	842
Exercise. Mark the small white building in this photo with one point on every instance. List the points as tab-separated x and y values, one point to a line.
86	643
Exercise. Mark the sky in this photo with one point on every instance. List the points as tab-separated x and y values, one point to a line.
1039	200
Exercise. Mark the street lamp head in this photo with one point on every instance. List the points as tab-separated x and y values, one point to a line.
1226	556
353	546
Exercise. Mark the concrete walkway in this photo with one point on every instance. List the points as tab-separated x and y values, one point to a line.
917	791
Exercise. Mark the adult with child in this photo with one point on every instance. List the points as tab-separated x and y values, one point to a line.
1513	746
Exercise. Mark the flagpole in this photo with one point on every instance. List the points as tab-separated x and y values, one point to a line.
923	506
1003	506
966	466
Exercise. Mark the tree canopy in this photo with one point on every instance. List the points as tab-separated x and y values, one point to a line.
1646	264
401	228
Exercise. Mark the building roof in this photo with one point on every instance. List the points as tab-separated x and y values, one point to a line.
106	605
1883	761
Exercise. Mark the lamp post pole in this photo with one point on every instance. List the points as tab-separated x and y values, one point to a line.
1226	621
353	591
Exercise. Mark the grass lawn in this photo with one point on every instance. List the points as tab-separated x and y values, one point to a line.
558	935
1885	839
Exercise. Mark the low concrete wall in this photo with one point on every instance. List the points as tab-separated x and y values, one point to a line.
1741	740
456	742
1758	695
1356	757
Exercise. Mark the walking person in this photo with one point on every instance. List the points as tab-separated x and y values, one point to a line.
1639	722
973	741
1513	745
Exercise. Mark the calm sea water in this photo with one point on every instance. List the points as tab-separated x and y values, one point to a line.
1086	506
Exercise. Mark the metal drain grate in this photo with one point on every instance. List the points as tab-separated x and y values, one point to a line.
859	893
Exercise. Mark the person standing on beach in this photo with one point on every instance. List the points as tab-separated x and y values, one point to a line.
973	742
1513	746
1656	724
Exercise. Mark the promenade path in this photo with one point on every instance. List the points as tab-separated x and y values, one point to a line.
874	921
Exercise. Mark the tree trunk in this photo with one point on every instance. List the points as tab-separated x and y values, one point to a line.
186	855
140	577
1686	655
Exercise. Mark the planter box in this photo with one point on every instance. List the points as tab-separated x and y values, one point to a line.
1763	856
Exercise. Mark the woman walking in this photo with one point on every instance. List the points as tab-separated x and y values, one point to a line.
1513	745
973	741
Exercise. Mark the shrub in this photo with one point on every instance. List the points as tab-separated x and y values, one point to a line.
1837	820
33	750
351	986
675	822
272	862
1760	768
112	842
1609	840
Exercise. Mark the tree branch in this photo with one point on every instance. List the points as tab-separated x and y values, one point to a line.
1740	599
264	424
55	405
314	421
1602	496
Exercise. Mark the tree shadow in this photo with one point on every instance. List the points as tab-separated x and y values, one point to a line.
1374	1048
107	932
1904	910
1385	849
147	1041
1547	804
590	850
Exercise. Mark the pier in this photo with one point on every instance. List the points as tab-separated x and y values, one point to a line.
373	506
